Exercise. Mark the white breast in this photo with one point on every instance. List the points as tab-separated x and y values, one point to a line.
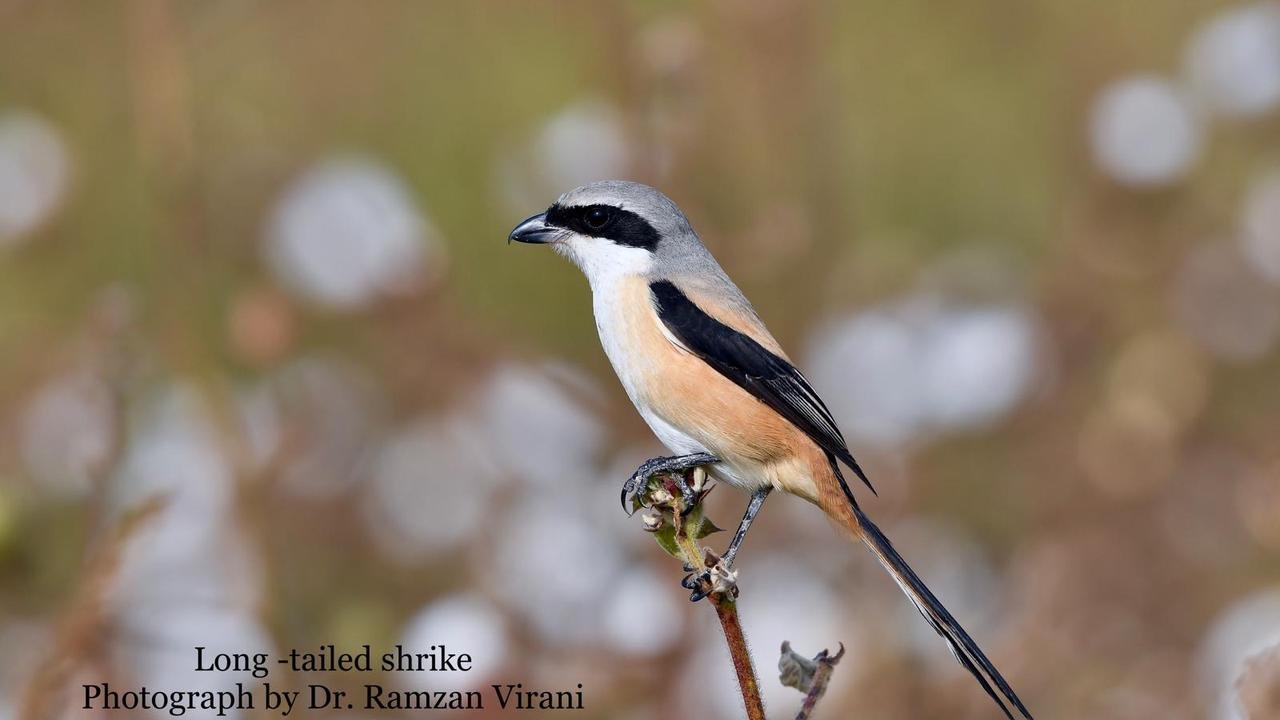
613	312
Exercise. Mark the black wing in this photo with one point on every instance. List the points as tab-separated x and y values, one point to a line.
772	380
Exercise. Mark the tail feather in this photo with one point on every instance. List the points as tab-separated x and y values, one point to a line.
961	645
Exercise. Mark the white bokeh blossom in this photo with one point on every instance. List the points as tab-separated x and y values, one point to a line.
347	231
1144	132
924	365
35	173
1243	629
1233	60
460	623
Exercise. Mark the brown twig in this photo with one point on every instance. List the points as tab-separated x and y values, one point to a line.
677	525
679	531
748	683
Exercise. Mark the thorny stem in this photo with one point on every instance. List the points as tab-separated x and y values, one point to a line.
727	612
685	539
688	546
748	683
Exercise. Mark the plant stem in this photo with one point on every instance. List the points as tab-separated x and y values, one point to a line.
727	612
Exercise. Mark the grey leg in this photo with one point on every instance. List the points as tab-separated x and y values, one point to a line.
753	509
700	584
635	486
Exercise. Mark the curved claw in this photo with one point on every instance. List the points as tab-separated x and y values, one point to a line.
628	491
631	491
698	583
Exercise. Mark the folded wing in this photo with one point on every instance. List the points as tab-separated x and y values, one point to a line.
771	379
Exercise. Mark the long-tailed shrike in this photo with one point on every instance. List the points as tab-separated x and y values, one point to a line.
712	383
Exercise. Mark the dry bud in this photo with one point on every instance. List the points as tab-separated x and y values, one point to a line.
699	480
652	521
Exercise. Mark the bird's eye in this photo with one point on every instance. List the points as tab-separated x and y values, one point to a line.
597	218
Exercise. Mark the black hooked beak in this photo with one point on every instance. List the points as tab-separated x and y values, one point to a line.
533	229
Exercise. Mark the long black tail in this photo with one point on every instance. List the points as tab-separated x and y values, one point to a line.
962	646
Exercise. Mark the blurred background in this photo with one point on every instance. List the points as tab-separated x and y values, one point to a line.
270	376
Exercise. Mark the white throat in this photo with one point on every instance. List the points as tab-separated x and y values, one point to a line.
605	263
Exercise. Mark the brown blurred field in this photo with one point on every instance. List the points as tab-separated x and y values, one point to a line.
271	378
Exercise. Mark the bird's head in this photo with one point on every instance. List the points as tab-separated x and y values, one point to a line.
610	227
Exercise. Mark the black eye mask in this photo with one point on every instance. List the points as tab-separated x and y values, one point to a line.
605	221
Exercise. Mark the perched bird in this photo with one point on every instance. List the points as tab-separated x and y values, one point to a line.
713	384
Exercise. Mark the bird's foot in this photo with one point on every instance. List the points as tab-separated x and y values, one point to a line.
717	577
637	494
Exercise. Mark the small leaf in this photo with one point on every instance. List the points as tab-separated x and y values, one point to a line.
706	528
666	537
